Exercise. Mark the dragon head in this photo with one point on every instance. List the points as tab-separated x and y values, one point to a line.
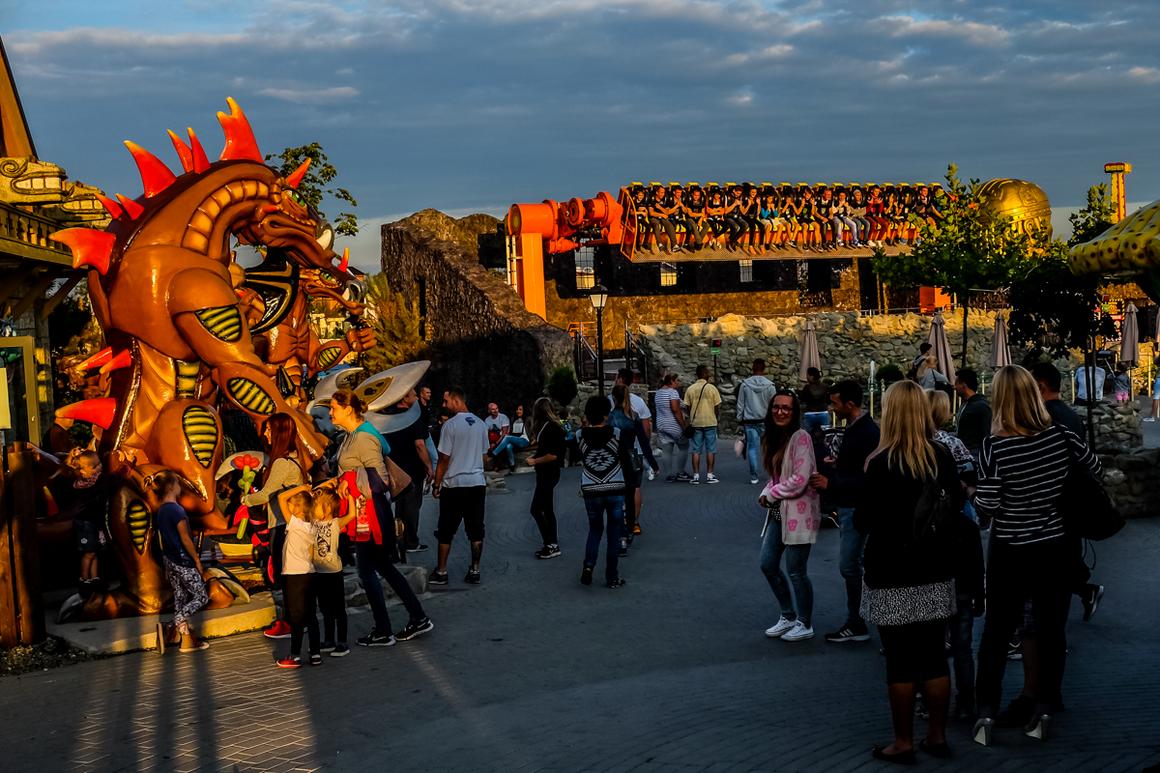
284	223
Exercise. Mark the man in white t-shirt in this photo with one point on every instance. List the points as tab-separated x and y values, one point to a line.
459	483
640	409
498	425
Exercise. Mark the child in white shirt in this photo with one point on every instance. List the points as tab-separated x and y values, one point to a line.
298	576
328	581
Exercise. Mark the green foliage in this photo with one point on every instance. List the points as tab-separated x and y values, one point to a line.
562	385
396	324
315	185
1097	216
969	248
1052	309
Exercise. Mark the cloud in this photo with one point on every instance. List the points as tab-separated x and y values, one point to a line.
316	96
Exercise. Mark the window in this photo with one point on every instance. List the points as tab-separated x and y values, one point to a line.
746	267
668	275
585	269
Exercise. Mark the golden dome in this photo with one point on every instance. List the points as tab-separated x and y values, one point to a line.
1022	201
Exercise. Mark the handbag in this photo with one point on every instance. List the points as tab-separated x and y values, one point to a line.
1087	509
400	481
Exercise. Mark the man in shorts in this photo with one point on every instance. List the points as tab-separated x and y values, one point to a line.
704	402
459	484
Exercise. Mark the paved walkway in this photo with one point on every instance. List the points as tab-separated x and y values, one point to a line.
532	672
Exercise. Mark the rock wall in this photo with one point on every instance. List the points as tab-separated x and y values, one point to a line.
1131	472
479	333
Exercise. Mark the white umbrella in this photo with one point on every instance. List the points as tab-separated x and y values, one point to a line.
811	358
1000	352
1130	338
941	346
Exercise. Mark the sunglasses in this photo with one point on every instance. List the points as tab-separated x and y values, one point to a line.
782	409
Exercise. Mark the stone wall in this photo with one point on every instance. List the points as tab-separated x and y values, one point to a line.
1131	472
479	333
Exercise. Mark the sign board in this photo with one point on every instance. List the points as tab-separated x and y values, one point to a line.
715	346
5	408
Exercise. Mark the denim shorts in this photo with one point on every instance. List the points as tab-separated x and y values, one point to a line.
704	440
1156	389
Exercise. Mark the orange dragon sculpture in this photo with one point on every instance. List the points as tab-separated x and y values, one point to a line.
179	342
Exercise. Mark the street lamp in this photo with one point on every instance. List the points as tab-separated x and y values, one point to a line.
599	298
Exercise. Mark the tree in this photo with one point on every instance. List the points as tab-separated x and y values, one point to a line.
969	248
314	186
1052	309
1097	216
396	324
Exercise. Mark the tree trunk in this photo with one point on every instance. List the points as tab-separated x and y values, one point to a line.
964	365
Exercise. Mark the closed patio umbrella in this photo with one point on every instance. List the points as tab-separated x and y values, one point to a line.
1130	338
811	357
1000	352
941	346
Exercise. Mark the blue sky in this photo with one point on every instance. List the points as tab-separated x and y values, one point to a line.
466	105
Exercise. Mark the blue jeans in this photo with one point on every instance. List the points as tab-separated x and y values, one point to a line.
509	445
598	507
753	433
796	559
962	647
853	542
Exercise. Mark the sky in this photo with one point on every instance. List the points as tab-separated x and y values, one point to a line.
471	105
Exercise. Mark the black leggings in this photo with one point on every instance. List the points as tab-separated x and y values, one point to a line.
277	545
915	652
543	507
300	611
331	592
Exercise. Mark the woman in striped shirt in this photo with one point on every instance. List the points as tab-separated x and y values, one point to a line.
1023	466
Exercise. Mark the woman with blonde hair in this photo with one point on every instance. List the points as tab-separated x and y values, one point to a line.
911	485
1023	466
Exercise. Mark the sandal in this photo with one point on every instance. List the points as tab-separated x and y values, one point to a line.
900	758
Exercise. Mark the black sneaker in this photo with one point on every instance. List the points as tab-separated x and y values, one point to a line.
415	629
683	477
437	578
418	549
327	646
376	639
848	633
920	709
586	576
1091	600
472	577
340	651
1015	650
619	583
315	659
548	551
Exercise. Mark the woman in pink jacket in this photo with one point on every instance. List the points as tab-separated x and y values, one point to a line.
791	525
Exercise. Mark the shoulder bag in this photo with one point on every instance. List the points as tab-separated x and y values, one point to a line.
1087	509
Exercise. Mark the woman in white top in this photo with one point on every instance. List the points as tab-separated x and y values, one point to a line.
515	440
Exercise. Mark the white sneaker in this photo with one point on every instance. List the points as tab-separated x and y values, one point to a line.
799	632
753	481
696	481
651	475
780	628
1149	418
711	478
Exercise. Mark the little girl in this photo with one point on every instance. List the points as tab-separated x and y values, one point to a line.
328	580
183	567
298	576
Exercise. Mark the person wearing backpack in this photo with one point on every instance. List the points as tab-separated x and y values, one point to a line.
910	492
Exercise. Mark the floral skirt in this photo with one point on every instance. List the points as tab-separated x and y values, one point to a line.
915	604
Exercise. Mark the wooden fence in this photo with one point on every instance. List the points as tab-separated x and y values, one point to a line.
21	605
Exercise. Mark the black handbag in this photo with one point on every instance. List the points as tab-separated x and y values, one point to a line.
1087	509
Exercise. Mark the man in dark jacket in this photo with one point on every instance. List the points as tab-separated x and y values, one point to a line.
974	422
843	482
1049	380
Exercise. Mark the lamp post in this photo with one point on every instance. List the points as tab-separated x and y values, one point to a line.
599	298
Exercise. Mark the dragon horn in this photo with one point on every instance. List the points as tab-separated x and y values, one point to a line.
240	142
113	207
89	247
184	152
99	411
155	175
342	264
200	160
122	359
295	178
97	360
132	208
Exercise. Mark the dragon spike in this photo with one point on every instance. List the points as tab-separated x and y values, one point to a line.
113	207
240	142
155	175
97	360
295	178
200	160
98	410
122	359
132	208
183	151
89	247
342	264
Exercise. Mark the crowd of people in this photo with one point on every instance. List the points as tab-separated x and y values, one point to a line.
914	498
756	218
